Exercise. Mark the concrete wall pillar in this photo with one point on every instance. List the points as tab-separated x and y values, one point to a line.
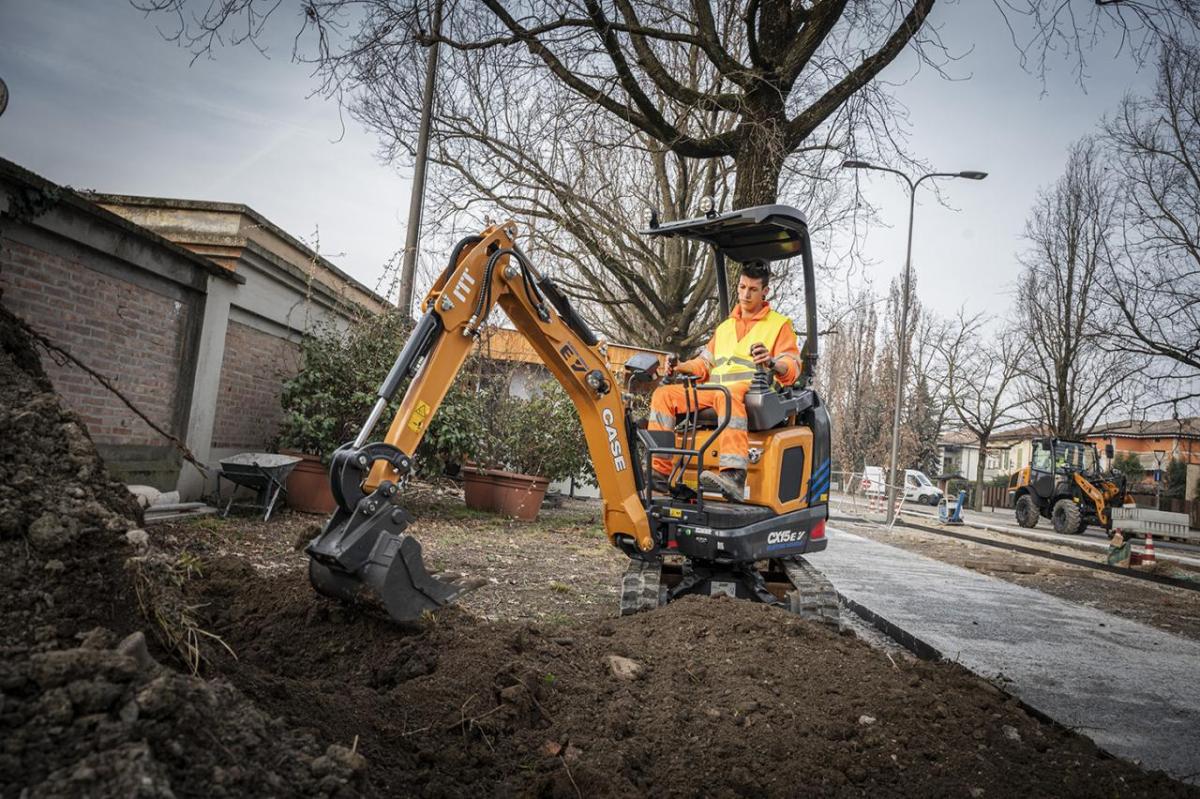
210	354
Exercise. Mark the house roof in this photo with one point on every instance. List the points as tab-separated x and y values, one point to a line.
1187	427
39	190
505	344
1000	438
958	438
221	231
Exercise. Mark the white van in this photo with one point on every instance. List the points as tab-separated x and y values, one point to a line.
917	487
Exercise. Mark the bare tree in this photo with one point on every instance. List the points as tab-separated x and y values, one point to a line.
1069	378
846	375
582	184
575	115
1155	286
1074	28
980	374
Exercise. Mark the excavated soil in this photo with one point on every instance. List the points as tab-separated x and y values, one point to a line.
89	707
306	697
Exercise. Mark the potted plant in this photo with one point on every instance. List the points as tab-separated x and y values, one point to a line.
526	444
329	397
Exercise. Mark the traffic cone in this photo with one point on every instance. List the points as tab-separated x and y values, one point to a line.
1148	551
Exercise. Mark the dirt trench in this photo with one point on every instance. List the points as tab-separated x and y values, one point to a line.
301	696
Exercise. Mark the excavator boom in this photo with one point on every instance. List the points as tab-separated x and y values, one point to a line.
363	552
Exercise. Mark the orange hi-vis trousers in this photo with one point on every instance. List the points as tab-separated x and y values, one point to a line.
733	445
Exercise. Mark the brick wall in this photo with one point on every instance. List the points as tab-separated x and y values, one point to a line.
130	334
253	370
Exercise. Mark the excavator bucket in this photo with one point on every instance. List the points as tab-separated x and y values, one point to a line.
365	557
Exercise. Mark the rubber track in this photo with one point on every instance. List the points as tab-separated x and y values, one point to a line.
1161	579
814	597
640	586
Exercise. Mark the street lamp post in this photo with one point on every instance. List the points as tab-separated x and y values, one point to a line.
903	354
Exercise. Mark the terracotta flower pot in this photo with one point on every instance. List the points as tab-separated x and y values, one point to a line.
308	486
516	495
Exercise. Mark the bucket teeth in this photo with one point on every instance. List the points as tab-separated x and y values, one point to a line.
366	557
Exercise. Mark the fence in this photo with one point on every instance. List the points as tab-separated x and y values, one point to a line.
863	497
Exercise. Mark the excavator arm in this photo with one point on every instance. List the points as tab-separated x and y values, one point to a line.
363	551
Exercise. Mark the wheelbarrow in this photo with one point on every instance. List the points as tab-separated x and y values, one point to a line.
264	472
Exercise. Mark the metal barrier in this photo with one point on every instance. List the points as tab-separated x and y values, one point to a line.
866	498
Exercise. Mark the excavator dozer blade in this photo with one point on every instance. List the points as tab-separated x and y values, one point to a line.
365	557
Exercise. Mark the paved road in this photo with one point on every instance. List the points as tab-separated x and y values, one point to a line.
1130	688
1002	520
1004	517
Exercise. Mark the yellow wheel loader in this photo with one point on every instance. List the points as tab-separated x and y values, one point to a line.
680	540
1063	483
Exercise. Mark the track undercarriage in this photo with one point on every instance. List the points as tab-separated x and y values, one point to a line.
790	583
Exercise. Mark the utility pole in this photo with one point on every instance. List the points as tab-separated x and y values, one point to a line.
417	200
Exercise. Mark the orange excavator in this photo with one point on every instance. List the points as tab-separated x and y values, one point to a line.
680	540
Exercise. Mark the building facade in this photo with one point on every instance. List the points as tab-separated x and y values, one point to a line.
194	311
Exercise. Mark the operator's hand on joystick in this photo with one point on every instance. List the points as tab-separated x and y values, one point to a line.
672	364
762	356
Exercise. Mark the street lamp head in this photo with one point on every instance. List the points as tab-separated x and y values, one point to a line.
852	164
972	174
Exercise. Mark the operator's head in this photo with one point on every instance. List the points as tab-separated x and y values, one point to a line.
753	286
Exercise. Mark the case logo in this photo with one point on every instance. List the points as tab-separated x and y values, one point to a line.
614	440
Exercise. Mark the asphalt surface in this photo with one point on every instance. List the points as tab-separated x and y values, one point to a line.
1129	687
1003	517
1003	521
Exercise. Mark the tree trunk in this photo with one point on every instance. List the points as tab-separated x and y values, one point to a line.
979	468
758	163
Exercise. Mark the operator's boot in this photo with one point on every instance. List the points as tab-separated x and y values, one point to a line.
730	482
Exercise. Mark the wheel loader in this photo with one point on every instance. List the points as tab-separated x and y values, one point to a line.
680	540
1064	483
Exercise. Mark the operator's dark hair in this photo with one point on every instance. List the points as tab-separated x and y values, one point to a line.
757	270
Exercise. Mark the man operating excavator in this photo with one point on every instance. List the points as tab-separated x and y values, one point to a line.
754	336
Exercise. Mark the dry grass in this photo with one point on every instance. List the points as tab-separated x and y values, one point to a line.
158	583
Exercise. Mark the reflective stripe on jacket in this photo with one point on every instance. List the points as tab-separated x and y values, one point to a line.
731	357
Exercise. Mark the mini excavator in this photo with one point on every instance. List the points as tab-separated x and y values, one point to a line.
679	541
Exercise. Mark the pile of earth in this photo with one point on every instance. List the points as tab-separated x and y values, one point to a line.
706	697
88	707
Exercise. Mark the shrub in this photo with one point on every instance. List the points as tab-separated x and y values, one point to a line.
1175	479
329	398
1129	465
540	435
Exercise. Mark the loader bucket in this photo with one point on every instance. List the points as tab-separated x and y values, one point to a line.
365	557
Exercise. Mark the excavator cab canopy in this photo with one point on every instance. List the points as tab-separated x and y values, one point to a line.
761	233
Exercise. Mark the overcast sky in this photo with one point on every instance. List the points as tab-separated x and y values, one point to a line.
99	100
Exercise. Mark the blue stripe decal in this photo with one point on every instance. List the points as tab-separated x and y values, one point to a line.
818	481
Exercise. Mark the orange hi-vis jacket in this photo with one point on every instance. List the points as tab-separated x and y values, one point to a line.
784	348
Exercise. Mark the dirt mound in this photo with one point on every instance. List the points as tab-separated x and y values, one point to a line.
702	698
86	710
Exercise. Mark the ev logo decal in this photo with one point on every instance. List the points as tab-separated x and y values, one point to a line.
571	356
614	441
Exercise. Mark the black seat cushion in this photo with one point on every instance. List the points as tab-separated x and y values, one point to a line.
707	419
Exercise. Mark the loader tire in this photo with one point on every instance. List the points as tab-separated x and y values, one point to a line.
1067	518
1027	511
